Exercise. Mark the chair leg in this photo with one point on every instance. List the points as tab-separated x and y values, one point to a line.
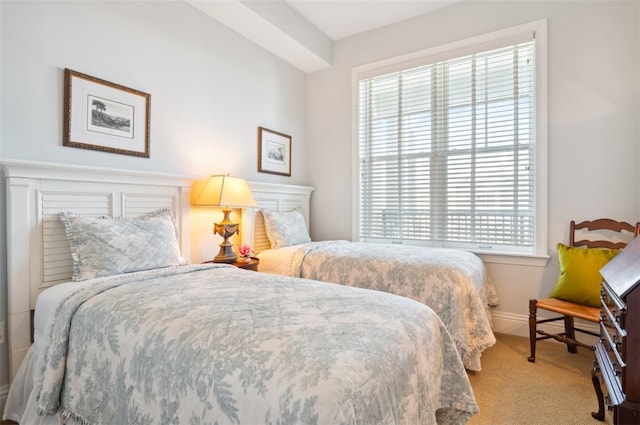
570	334
533	321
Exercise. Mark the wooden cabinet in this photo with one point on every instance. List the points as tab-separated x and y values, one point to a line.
617	362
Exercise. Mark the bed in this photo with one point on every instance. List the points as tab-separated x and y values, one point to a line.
454	283
126	330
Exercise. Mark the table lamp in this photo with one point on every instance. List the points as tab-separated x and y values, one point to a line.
225	192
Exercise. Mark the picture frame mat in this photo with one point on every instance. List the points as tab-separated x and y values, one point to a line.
82	92
274	152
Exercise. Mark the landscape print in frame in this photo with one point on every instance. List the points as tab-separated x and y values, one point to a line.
104	116
274	152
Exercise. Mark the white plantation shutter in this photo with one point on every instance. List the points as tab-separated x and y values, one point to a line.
447	150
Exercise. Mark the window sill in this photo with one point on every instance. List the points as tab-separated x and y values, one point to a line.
502	257
514	259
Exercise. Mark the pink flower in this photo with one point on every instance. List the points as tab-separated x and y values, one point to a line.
244	250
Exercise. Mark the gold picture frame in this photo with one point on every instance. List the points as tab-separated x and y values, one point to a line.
104	116
274	152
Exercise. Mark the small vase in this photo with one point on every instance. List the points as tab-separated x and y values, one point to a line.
244	259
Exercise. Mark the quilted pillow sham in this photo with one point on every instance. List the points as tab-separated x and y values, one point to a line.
105	246
285	228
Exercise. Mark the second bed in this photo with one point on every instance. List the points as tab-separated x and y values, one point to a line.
454	283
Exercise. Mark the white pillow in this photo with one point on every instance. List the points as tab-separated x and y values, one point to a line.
105	246
285	228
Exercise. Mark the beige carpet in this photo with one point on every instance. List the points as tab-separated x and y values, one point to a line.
555	390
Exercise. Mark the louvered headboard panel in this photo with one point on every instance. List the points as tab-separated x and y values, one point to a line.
56	253
38	252
275	197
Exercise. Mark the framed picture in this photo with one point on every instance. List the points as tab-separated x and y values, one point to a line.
274	152
104	116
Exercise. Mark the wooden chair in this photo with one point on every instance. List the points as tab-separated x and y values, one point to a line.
617	234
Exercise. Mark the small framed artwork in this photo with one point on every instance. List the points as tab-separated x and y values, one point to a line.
104	116
274	152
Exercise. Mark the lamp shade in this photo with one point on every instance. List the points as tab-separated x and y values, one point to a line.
222	191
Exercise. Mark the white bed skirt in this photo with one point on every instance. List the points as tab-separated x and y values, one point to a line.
21	404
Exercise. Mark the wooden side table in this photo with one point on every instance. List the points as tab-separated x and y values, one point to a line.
247	265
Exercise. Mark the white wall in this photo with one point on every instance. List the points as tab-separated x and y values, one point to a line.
593	114
210	90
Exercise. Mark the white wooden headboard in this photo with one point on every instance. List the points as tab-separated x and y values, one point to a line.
38	253
275	197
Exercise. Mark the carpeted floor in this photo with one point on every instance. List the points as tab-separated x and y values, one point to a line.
555	390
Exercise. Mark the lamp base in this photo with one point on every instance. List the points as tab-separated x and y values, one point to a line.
225	255
226	229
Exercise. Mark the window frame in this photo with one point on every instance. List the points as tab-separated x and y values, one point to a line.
539	255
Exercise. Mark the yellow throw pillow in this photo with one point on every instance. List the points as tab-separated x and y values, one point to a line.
580	279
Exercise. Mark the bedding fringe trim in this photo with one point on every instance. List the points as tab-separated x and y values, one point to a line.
471	359
74	417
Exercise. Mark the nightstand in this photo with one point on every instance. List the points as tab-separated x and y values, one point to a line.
247	265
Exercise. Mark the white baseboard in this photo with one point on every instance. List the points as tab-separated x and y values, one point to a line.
518	324
510	324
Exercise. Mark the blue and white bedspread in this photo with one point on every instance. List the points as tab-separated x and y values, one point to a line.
213	344
454	283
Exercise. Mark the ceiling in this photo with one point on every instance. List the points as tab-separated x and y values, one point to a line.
302	32
341	18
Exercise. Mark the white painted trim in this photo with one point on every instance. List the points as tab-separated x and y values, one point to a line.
514	259
518	324
70	172
283	195
24	180
449	50
539	257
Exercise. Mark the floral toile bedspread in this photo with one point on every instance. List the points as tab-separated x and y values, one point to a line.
218	345
453	283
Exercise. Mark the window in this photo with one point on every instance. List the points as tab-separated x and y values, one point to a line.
448	149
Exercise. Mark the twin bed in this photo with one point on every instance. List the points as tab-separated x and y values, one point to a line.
126	330
454	283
